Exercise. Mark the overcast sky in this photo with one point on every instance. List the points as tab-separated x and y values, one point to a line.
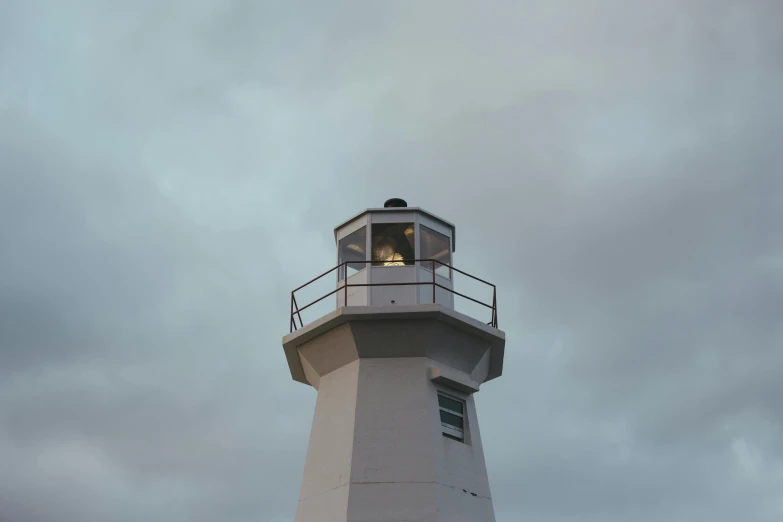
170	171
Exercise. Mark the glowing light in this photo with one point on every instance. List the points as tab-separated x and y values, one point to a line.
394	260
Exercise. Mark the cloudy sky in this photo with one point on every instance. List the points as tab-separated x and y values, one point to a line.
169	171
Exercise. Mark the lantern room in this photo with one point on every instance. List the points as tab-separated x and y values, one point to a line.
395	255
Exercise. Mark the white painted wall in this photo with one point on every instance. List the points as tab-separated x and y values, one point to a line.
324	493
377	435
401	295
357	295
442	297
463	493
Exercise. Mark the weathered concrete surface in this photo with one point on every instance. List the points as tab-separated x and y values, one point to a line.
434	331
376	451
324	492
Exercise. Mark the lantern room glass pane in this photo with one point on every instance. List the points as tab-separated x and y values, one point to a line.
353	248
393	244
437	246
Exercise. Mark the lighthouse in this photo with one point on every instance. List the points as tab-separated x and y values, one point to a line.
395	433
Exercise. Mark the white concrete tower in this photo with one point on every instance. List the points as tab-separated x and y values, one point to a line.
395	435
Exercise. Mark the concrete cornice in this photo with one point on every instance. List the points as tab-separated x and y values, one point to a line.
483	334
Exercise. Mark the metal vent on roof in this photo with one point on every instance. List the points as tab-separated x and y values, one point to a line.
395	203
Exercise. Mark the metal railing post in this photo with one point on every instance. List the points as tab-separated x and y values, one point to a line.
495	307
433	282
292	313
297	311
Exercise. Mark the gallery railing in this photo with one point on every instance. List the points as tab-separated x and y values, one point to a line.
296	312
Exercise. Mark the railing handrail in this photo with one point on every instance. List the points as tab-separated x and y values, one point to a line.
296	311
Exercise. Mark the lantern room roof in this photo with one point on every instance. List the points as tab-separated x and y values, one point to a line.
402	210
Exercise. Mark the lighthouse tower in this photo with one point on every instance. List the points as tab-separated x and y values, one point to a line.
395	435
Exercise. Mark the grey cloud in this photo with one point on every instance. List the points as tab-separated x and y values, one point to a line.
169	172
126	332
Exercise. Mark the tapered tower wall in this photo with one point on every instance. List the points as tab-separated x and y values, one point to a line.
377	450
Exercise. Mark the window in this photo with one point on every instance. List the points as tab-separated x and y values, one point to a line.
393	244
452	416
352	248
437	246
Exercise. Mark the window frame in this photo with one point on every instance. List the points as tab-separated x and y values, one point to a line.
449	430
342	271
428	266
